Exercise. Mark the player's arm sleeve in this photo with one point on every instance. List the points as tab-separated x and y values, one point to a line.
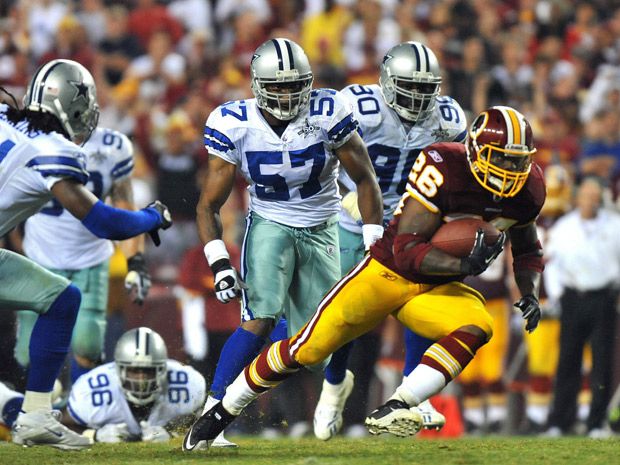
79	404
54	168
343	124
218	140
124	165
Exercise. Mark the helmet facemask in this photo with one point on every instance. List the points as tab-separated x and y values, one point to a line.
412	99
142	384
283	98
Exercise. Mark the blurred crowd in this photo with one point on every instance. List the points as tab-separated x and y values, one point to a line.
162	66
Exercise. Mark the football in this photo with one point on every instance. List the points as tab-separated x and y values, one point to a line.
457	237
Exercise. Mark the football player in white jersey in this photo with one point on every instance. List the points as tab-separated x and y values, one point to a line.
38	162
287	142
82	257
141	395
398	118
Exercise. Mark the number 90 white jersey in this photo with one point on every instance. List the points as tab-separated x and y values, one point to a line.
56	239
392	148
97	399
293	177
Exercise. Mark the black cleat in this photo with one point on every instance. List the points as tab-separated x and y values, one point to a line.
204	430
394	417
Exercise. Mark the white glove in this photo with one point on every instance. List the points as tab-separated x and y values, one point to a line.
112	432
228	285
138	279
371	233
154	433
349	204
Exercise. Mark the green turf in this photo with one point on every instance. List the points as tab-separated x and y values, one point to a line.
374	451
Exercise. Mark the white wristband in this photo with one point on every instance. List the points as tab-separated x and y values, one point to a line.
371	233
215	250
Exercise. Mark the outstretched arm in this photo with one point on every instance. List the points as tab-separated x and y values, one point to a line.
105	221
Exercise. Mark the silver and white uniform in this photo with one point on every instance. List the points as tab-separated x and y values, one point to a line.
56	239
97	398
292	178
31	163
391	146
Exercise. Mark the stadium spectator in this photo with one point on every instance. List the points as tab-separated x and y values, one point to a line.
577	245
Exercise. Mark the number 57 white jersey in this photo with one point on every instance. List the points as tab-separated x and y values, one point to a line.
97	398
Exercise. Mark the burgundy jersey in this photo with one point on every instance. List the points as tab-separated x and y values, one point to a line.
442	181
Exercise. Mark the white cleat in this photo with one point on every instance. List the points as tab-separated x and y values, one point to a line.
222	442
394	417
328	412
431	418
43	428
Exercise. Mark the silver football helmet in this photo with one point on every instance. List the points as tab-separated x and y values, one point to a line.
67	90
140	356
410	79
281	78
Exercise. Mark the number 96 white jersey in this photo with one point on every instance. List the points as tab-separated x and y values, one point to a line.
391	147
97	399
293	177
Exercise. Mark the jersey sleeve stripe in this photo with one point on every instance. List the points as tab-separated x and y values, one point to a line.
80	176
461	136
342	129
75	416
215	139
55	161
423	200
122	168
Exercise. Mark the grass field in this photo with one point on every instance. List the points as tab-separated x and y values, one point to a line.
374	451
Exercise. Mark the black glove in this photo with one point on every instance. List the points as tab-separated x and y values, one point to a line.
165	223
530	309
228	285
482	255
138	279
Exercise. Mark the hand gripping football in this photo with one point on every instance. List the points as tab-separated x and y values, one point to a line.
457	236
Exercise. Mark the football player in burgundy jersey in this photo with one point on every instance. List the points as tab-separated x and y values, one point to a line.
491	177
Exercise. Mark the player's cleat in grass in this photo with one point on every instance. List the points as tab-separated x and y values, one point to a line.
394	417
328	412
43	428
204	430
431	418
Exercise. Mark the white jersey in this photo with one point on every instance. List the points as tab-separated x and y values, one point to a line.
56	239
31	162
292	178
97	398
393	148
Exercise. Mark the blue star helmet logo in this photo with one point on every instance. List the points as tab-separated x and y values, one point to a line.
81	90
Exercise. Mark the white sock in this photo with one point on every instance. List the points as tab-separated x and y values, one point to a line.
474	415
211	401
238	395
496	413
422	383
36	401
538	413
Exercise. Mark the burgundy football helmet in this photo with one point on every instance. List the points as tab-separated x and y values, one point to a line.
499	147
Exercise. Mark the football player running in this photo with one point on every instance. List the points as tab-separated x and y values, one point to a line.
58	241
287	142
38	162
141	395
397	119
491	177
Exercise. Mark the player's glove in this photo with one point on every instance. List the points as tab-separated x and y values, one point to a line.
166	220
228	285
112	432
138	279
154	433
530	311
482	255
